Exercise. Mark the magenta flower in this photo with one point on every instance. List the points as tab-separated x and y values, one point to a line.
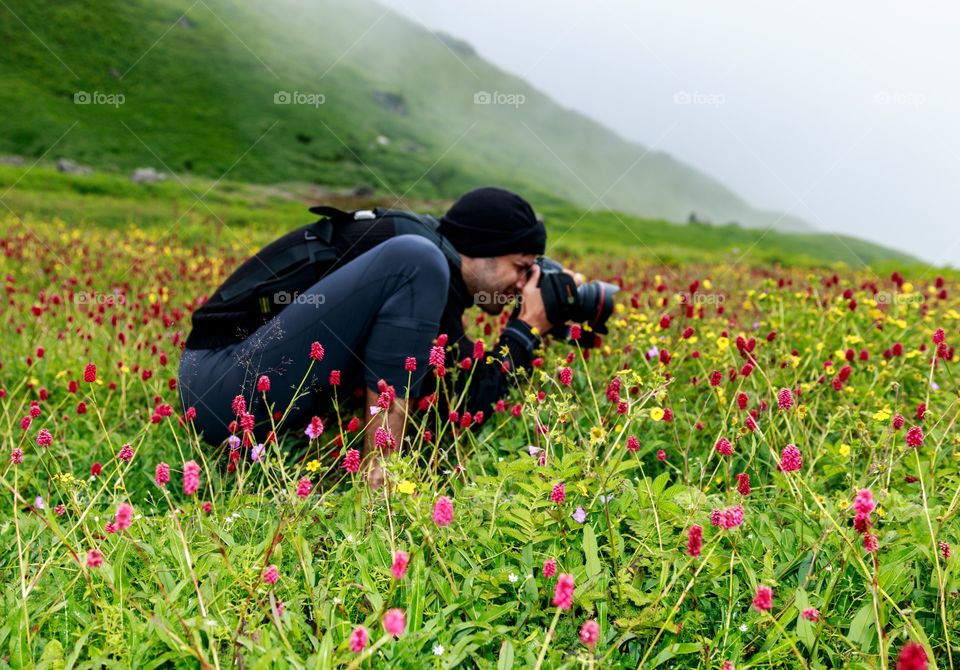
400	561
549	568
785	399
44	438
271	574
191	477
558	494
394	622
763	600
351	462
124	516
695	540
303	487
563	592
590	632
94	558
914	437
790	458
443	511
358	639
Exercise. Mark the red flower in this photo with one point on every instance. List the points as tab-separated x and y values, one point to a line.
271	574
558	494
96	469
334	378
743	484
915	437
263	384
316	351
351	462
162	474
790	458
785	399
695	540
90	373
44	438
723	446
303	487
566	376
549	568
763	600
912	657
410	365
633	444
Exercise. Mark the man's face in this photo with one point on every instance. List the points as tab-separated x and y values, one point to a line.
499	279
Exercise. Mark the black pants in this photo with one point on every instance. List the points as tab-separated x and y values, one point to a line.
369	315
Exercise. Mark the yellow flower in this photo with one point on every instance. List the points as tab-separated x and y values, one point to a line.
722	343
882	415
406	487
313	466
844	450
597	434
656	413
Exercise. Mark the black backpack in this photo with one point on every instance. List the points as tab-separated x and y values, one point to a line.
272	278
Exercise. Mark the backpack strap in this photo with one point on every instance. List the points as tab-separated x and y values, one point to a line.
420	224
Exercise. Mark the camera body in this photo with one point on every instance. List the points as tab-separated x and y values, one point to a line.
591	303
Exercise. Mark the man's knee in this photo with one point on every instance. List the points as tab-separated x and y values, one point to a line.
424	258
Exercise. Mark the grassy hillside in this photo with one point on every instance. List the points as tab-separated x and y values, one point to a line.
398	109
172	209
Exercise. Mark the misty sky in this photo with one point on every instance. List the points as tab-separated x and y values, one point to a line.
845	114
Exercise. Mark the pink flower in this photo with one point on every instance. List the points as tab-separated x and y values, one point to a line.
315	428
94	558
44	438
566	376
727	665
191	477
549	568
558	494
723	447
563	593
394	622
383	439
410	365
238	405
785	399
125	453
590	632
914	438
263	384
437	356
303	487
912	657
162	474
358	639
351	462
870	542
727	518
400	562
633	444
334	378
316	351
271	574
810	614
790	458
443	511
864	503
695	540
16	456
763	600
124	516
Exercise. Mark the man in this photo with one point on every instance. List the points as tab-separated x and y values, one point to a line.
386	299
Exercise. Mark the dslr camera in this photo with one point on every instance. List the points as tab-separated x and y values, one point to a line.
591	303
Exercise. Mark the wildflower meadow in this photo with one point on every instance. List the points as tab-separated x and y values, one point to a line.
757	467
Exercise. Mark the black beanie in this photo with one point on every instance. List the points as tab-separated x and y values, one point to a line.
493	222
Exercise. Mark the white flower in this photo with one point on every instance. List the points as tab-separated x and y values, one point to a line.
513	578
336	600
350	538
743	628
438	649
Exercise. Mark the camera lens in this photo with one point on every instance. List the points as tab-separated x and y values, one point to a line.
595	304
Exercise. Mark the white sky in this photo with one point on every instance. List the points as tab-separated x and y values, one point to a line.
845	114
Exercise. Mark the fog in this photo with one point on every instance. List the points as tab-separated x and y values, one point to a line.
844	114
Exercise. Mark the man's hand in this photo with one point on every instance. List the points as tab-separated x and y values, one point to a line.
577	277
532	311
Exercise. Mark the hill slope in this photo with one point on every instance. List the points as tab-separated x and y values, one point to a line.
394	106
